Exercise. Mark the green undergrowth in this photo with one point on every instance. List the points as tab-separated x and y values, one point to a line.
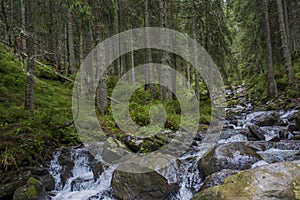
258	86
141	105
28	139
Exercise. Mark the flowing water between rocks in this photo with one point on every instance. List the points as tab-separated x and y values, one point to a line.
82	185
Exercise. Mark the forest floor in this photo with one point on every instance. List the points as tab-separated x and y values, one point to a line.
27	139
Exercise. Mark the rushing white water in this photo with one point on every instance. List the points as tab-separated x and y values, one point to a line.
82	186
55	170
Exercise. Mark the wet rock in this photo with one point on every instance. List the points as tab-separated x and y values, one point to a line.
228	133
275	139
281	122
131	185
295	137
272	181
297	121
292	127
235	156
97	170
217	178
277	155
266	119
114	150
66	173
284	134
257	132
48	182
7	190
66	161
32	190
77	184
296	132
256	146
67	166
283	145
38	171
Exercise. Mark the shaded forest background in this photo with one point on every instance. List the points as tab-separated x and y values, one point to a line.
255	43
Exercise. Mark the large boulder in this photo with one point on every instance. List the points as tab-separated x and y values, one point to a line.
32	190
154	177
217	178
235	156
266	119
48	182
273	181
7	189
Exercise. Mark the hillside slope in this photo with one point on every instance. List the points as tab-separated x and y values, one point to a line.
28	140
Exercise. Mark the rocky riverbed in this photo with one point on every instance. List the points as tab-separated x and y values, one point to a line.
256	157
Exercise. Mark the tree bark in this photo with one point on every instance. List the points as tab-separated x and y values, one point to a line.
132	75
271	78
295	9
101	90
29	92
284	41
23	24
194	48
71	43
165	77
148	54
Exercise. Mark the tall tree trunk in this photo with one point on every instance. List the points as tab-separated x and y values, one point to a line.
29	92
148	55
284	41
287	25
101	90
120	28
165	76
188	73
88	45
117	68
271	78
23	24
58	53
71	43
7	36
194	48
132	76
296	26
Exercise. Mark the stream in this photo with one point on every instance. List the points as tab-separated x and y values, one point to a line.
81	185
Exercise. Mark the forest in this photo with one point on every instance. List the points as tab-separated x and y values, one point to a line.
96	95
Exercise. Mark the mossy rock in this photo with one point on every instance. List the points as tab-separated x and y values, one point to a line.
7	190
273	181
32	190
148	185
234	156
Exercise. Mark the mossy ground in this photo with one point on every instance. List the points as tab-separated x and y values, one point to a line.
29	139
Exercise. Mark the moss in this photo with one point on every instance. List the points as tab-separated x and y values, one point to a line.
31	192
296	186
30	139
